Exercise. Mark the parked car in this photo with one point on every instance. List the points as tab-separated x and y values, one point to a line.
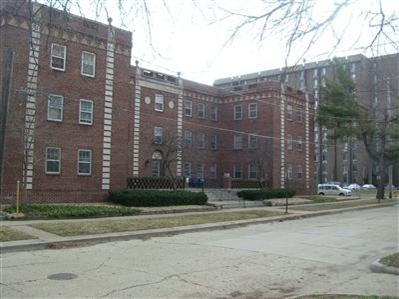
368	187
335	183
353	187
392	187
331	189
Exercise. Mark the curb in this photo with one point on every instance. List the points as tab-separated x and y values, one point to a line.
381	268
76	241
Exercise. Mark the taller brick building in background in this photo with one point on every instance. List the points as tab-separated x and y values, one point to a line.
77	119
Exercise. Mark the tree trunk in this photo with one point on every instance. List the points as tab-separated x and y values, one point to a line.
381	170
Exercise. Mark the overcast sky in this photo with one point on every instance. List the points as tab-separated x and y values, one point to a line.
189	36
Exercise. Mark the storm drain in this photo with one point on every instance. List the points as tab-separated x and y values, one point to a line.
62	276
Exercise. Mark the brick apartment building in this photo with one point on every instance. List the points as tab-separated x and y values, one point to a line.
77	119
377	86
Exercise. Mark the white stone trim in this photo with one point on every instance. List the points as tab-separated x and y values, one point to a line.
307	135
282	136
136	127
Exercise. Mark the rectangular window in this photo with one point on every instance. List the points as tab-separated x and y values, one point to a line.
58	57
201	110
159	102
214	113
214	142
300	143
237	142
289	142
252	171
237	171
55	107
300	172
200	170
300	116
252	141
88	67
253	110
289	171
53	160
237	112
188	138
84	162
158	135
187	170
188	108
212	171
86	112
201	140
289	112
156	168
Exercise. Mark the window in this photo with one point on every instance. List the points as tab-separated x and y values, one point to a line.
158	135
53	160
88	64
289	172
289	142
300	143
237	142
200	170
188	138
187	169
201	110
156	168
212	171
159	102
58	57
201	140
289	112
86	112
55	106
299	172
253	110
252	141
188	108
237	171
214	113
214	142
300	116
252	171
84	162
237	112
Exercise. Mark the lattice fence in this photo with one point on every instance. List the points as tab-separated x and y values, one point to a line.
155	183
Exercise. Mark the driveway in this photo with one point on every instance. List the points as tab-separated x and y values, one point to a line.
326	254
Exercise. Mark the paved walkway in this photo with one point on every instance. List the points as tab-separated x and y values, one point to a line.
45	240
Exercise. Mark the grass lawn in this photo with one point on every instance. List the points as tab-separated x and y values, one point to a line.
391	260
109	226
320	198
340	205
41	211
9	234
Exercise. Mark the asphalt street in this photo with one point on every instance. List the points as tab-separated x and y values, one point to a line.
320	255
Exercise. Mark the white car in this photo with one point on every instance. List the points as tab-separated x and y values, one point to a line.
368	187
353	187
331	189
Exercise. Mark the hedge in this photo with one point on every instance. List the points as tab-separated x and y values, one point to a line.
260	194
156	198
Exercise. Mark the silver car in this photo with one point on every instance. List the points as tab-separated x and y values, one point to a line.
331	189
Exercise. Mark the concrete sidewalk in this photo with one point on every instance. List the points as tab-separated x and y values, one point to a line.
45	240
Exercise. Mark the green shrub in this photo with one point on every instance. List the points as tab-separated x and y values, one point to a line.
70	211
260	194
156	198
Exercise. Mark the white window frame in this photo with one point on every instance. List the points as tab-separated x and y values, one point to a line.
214	113
214	142
213	171
84	162
92	75
200	171
300	143
159	103
289	142
201	140
289	171
63	57
238	140
252	110
252	138
188	138
299	171
237	112
187	169
81	120
158	133
290	113
49	107
201	110
235	168
188	108
53	160
252	170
